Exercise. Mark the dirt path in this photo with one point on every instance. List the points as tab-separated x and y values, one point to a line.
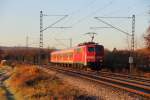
9	95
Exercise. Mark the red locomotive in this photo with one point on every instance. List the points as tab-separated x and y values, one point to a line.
85	55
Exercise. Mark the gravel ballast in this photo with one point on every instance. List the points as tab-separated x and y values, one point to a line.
101	91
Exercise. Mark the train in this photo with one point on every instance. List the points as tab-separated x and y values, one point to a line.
85	55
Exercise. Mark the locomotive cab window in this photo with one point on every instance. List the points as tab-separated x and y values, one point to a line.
91	49
98	49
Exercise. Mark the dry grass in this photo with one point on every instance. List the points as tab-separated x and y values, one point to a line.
3	95
147	75
30	83
144	51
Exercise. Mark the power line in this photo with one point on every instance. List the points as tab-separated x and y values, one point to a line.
99	9
116	17
128	8
99	27
83	7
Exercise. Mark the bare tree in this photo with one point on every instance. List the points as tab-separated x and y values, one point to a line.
0	54
147	37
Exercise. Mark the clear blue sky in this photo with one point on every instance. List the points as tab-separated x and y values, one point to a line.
19	18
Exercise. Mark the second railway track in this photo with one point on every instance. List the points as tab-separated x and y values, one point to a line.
131	84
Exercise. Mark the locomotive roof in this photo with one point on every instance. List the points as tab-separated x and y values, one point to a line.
79	45
87	43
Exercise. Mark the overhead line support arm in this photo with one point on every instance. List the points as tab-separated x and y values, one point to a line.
55	22
112	26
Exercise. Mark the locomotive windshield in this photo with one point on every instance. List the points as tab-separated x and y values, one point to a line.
95	49
99	48
91	49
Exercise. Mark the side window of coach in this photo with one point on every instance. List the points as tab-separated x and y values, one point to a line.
78	50
70	55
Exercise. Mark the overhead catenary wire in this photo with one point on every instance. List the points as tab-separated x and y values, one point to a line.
128	8
93	13
81	9
115	17
116	11
99	27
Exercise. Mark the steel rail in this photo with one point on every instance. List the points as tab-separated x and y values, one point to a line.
135	79
141	78
140	89
128	80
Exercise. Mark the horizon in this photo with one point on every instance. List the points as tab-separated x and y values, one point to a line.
20	19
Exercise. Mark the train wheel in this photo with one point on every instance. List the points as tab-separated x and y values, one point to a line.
78	66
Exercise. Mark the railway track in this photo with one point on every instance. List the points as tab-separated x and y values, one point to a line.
134	77
134	84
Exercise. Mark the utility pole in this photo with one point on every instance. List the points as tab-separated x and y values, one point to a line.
133	32
128	34
131	58
41	37
43	29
